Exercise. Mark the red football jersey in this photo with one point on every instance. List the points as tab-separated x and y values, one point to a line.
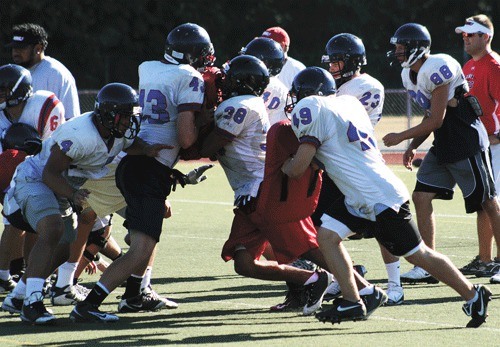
483	77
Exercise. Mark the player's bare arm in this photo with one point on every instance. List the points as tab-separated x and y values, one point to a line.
424	129
57	163
140	147
212	144
296	166
187	132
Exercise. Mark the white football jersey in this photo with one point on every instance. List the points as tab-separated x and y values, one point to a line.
43	111
291	68
80	140
50	74
438	69
275	98
164	91
343	135
243	120
369	91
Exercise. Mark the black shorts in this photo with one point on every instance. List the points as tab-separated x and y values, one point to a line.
396	231
145	184
338	211
328	195
17	221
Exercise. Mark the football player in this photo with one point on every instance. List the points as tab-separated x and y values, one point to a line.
271	54
170	93
459	154
239	140
26	118
345	56
332	130
47	186
292	66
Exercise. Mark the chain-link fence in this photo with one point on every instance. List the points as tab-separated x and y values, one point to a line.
399	114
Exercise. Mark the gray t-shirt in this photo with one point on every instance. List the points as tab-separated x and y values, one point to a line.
50	74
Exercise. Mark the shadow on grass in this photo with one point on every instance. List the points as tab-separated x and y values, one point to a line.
337	331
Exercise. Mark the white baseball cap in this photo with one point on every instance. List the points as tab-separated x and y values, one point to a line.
472	27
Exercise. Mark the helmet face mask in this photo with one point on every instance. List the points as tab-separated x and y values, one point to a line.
15	85
347	49
117	109
267	50
190	44
311	81
416	41
245	75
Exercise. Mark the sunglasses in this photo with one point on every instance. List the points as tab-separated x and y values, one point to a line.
472	34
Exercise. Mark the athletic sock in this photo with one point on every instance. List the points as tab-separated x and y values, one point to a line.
314	277
97	294
65	274
367	290
17	266
20	289
393	273
133	287
33	285
146	281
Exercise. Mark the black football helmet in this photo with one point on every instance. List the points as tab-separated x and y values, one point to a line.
417	41
267	50
22	137
350	50
245	75
115	101
310	81
190	44
15	85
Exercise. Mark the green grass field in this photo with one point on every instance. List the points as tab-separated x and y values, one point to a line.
218	307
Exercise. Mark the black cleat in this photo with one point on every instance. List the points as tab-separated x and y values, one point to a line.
34	311
478	310
6	286
342	311
374	300
315	292
84	312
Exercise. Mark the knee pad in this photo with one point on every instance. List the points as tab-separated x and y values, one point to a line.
97	238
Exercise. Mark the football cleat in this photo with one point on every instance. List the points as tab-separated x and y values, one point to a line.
294	300
395	295
12	304
65	296
333	291
315	292
34	311
418	275
148	300
473	267
374	300
7	285
478	309
342	311
495	279
84	312
490	269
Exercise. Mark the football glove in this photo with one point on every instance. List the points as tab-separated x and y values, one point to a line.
192	177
